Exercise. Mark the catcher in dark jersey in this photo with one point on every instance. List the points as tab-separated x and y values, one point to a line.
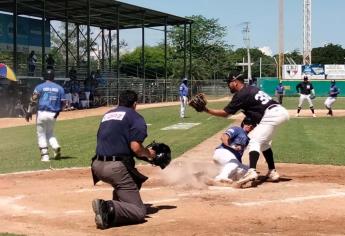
267	113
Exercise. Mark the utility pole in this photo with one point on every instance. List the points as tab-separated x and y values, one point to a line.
281	39
246	40
307	32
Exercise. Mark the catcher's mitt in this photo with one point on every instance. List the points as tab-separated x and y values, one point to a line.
312	96
163	154
198	102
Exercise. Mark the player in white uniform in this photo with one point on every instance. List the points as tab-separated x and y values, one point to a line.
49	96
183	92
264	111
333	93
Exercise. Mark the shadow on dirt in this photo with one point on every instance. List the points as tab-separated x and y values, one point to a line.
150	209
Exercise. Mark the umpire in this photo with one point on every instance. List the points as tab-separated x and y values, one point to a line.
120	136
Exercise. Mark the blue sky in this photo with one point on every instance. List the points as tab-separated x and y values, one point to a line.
327	21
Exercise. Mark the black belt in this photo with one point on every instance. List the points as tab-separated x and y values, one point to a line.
109	158
272	106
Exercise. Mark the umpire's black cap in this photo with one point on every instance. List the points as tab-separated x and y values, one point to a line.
233	77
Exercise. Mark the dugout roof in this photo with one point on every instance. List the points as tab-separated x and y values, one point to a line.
103	13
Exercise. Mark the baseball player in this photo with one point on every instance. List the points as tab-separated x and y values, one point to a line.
183	92
280	92
50	98
333	93
229	153
305	89
265	112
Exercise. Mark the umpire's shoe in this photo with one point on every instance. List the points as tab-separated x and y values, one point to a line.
251	175
104	213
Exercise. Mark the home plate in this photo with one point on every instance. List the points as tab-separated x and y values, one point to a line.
182	126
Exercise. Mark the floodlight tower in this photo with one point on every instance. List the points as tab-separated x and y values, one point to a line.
307	32
281	39
246	40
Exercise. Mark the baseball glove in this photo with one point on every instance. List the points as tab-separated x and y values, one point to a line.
163	154
198	102
312	96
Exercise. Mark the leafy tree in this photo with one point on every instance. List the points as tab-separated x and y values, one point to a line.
208	46
329	54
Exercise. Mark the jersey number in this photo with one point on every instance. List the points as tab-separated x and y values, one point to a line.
262	97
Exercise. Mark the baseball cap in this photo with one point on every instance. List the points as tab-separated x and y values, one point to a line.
232	77
333	81
305	77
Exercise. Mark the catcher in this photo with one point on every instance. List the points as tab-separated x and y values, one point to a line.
264	111
120	137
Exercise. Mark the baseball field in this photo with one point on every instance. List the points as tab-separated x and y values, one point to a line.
55	198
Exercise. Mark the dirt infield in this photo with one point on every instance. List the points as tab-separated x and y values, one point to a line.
310	200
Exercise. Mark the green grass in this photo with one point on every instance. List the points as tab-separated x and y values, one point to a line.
303	140
311	140
19	151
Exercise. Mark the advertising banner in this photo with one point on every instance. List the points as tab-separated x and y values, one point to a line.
335	71
292	71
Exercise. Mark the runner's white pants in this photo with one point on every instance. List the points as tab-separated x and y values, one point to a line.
183	101
45	129
304	97
261	135
230	166
329	102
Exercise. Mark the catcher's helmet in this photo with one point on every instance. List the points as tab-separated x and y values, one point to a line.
49	74
247	121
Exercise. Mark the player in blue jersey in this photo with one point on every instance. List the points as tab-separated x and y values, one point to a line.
280	92
229	153
333	93
183	92
48	97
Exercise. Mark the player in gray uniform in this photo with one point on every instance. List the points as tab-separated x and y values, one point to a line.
264	111
305	89
229	153
333	93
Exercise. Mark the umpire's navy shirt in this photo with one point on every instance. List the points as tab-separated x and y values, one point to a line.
118	128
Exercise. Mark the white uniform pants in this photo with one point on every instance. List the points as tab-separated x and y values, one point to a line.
304	97
261	135
45	127
329	101
231	167
183	101
87	98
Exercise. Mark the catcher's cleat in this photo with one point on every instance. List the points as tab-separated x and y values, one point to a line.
273	175
57	153
251	175
45	158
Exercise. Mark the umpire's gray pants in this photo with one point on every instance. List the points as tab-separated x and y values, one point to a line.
129	208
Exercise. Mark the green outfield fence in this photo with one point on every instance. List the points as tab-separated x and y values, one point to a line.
321	87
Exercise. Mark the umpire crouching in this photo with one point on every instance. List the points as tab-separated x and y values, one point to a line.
120	136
